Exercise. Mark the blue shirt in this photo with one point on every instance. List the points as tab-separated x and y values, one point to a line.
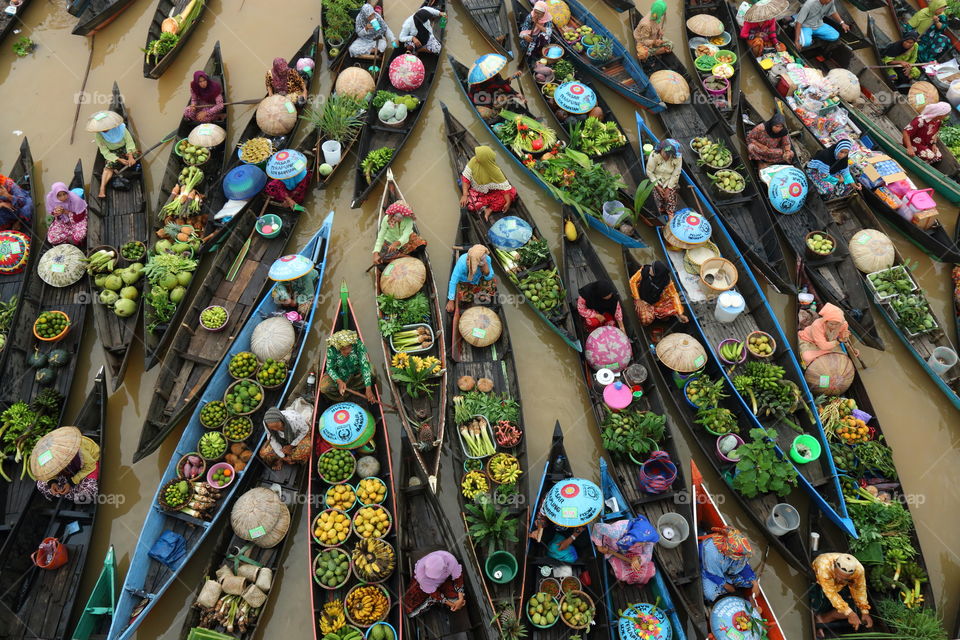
460	272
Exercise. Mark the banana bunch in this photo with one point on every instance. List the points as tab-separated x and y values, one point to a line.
731	351
765	375
366	604
373	559
332	618
347	633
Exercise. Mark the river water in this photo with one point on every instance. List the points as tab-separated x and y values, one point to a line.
38	99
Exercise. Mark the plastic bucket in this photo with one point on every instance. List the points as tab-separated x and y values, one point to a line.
673	529
812	446
501	567
331	152
57	560
730	304
942	360
783	519
720	453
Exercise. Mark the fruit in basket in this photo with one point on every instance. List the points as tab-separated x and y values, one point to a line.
238	428
819	243
331	567
699	144
371	491
504	468
50	324
133	250
212	445
222	476
332	618
716	155
191	467
576	610
760	344
728	181
340	496
212	414
373	559
366	605
336	465
731	351
193	154
244	397
381	632
542	609
177	494
272	373
372	522
243	364
213	317
331	527
474	483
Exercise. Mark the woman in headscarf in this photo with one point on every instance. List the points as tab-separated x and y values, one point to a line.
900	57
655	297
416	34
628	546
437	579
373	32
396	237
663	170
348	367
496	93
206	99
288	438
296	294
67	465
291	192
284	80
824	335
931	24
649	32
16	206
483	187
921	136
559	541
829	171
768	143
725	562
537	29
68	216
472	275
599	305
760	36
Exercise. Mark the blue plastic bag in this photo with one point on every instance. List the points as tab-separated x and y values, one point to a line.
170	548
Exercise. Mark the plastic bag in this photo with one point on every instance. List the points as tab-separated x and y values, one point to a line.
169	549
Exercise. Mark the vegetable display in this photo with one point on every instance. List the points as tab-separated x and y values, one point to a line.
821	244
49	324
760	470
255	150
534	252
769	393
728	181
213	317
272	373
192	154
375	161
576	609
191	467
244	396
595	138
543	609
523	134
632	432
476	437
336	465
238	428
331	567
718	420
705	392
22	425
382	97
715	155
892	281
340	496
396	312
912	313
243	365
133	250
213	414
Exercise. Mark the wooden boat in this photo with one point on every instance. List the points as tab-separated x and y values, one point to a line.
157	334
620	596
818	478
858	216
427	413
119	218
791	546
851	40
37	603
288	483
727	105
707	517
337	55
899	13
950	33
236	280
460	146
620	72
148	579
154	67
624	160
588	567
97	15
836	275
593	218
9	22
581	267
498	364
378	135
98	612
490	17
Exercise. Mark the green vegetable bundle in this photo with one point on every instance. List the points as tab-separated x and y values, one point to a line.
595	138
375	161
535	252
913	313
396	312
760	470
632	432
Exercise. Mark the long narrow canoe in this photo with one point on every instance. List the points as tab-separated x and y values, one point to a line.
35	603
899	13
850	40
430	409
97	15
119	218
9	22
497	363
157	333
817	478
336	52
679	566
460	146
148	579
154	67
490	17
377	135
728	105
97	614
593	218
835	275
791	546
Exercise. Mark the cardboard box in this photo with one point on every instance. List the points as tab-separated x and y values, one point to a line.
875	171
926	219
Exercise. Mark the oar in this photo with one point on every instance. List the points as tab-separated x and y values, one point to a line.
83	87
393	255
382	403
863	365
167	138
227	104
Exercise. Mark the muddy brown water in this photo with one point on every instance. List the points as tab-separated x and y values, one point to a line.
38	99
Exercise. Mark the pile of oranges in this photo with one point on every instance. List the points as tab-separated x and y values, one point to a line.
852	430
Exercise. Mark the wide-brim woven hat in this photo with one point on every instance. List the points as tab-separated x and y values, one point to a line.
104	121
53	452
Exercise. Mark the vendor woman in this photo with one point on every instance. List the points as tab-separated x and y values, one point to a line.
559	541
396	237
537	29
372	31
824	335
599	305
68	216
922	135
649	33
725	563
416	33
496	93
483	187
628	546
289	191
115	143
472	276
288	438
900	57
437	579
296	294
760	36
931	23
768	143
206	100
16	206
829	171
655	297
284	81
663	170
348	367
66	464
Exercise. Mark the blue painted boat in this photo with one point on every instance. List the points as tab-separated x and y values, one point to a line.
147	579
633	242
819	477
620	596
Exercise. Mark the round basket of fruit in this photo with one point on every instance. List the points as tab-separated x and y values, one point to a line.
381	631
272	373
214	318
192	155
728	182
820	244
503	468
174	495
212	446
237	428
51	326
576	610
191	466
372	521
761	344
221	475
243	365
718	421
716	156
371	490
331	568
731	351
213	414
374	559
366	604
243	397
542	610
340	496
331	528
700	143
336	466
133	251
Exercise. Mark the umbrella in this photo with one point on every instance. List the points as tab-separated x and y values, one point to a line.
705	25
787	190
53	452
290	268
103	121
573	502
486	66
690	227
207	135
510	232
285	164
61	266
681	352
643	621
244	182
347	425
765	10
575	97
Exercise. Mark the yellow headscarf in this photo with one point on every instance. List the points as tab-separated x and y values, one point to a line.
923	19
483	167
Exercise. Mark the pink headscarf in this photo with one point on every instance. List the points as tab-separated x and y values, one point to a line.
832	313
278	75
398	209
73	203
542	6
433	569
935	110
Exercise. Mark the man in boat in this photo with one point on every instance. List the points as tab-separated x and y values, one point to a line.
809	23
396	237
834	572
437	578
115	143
648	35
768	143
66	464
725	563
472	276
348	367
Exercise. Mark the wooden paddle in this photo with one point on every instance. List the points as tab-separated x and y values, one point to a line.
226	104
381	402
83	88
167	138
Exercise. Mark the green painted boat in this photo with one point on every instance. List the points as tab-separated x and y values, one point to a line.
98	612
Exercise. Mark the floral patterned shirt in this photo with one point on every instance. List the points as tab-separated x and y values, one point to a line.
823	569
341	367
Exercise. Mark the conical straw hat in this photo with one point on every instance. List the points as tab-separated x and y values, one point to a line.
103	121
681	352
261	517
62	265
765	10
705	25
922	94
671	86
207	135
53	452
